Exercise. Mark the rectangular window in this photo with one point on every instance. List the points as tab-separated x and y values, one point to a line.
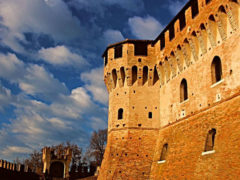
140	49
118	51
195	10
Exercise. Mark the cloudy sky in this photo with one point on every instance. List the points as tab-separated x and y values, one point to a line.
51	77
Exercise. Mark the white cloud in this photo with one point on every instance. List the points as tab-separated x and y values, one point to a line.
62	56
144	28
10	66
95	84
38	82
175	6
32	79
9	150
5	97
112	36
52	18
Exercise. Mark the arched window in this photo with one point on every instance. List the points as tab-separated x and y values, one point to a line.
134	74
209	145
216	69
120	113
122	74
114	76
145	74
164	152
183	91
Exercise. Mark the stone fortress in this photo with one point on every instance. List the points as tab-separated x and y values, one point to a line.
174	104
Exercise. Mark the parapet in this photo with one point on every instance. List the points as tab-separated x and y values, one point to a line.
199	27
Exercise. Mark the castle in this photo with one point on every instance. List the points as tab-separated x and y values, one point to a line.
174	104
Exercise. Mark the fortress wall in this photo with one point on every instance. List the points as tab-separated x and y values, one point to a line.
202	93
184	50
129	154
186	140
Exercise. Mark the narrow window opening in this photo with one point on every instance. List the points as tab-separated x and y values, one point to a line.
156	77
222	9
202	27
122	72
140	49
216	68
150	115
195	10
120	114
118	51
209	145
162	41
182	21
145	74
183	91
134	74
164	152
114	76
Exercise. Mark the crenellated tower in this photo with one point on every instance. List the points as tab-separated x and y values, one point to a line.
131	77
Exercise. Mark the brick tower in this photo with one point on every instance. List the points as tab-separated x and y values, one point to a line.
174	102
133	84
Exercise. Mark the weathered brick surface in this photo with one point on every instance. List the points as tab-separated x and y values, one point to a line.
135	142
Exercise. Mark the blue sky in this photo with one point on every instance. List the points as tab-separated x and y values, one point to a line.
51	70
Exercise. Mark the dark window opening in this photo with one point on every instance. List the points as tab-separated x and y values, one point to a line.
118	51
114	76
208	1
222	9
183	91
195	10
120	113
140	49
155	77
182	21
216	69
202	27
171	33
209	145
145	74
211	18
164	152
122	72
134	74
162	42
150	115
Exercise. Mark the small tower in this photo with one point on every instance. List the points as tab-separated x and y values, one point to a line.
56	163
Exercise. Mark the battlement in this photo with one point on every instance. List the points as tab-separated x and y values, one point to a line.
10	170
198	28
